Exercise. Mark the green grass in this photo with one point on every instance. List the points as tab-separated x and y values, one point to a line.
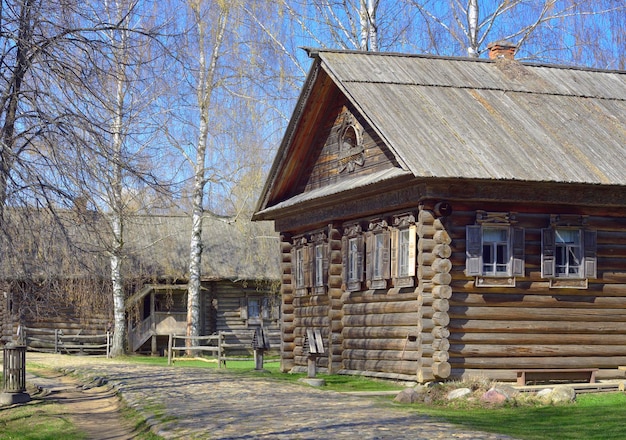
593	416
39	421
271	370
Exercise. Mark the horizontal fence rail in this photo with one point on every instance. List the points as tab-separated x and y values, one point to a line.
223	346
57	341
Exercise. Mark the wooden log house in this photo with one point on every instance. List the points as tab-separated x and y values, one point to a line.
450	217
239	280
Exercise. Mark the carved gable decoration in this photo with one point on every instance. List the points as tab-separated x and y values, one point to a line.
350	141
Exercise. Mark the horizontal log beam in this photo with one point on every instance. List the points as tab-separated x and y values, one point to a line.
389	355
402	319
542	314
530	326
537	338
524	300
538	362
388	306
379	332
397	367
512	350
380	344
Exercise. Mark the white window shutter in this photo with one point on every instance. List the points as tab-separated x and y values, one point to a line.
473	250
412	250
590	249
517	249
548	250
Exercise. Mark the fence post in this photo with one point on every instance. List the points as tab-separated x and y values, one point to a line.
108	344
220	350
56	341
169	350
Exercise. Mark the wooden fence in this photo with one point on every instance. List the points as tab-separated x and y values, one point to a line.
224	346
56	341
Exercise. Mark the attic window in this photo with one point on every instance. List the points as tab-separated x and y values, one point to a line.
350	141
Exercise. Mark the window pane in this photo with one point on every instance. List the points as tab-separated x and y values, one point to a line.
319	265
403	253
300	267
494	234
353	263
377	254
254	308
496	252
568	253
567	236
488	258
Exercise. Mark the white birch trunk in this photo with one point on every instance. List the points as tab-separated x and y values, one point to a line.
117	226
119	316
205	87
116	201
367	19
472	28
372	6
363	21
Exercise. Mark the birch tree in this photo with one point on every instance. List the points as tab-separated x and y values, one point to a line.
120	153
547	30
43	48
209	37
369	28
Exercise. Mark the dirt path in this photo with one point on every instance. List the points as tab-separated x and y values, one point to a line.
93	410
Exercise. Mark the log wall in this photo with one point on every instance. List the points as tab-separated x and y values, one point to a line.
496	330
223	312
434	291
380	332
288	314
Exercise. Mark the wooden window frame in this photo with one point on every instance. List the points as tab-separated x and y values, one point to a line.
320	262
404	250
475	250
586	242
267	309
302	266
352	250
378	255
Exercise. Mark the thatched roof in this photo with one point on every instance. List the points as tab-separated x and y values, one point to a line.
233	249
41	245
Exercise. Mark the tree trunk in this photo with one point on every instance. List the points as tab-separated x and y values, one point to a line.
119	311
204	88
472	28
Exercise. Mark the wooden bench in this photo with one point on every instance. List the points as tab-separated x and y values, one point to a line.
547	374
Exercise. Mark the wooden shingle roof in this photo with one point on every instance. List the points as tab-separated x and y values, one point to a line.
481	119
462	118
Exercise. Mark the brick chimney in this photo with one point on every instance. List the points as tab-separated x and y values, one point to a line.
502	49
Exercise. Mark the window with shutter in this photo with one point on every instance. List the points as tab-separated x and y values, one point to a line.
568	254
377	255
319	262
353	253
494	249
404	250
302	261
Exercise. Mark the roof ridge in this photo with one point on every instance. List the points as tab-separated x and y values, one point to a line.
314	53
